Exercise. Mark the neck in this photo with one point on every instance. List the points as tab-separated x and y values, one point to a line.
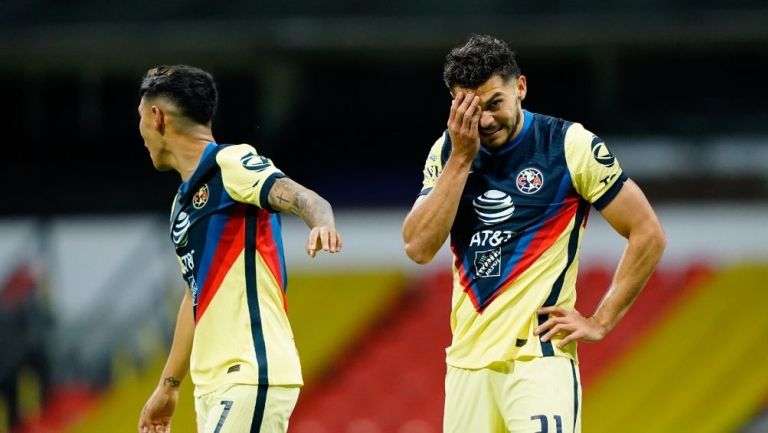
518	124
189	149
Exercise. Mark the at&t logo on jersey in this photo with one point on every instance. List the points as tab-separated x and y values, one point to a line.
200	198
493	238
530	180
179	231
187	262
493	207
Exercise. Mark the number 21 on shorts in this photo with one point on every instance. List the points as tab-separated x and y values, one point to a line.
545	423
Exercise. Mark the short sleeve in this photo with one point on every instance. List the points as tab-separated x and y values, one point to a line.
247	176
595	171
433	167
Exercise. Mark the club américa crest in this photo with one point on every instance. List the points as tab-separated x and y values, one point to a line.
200	198
530	180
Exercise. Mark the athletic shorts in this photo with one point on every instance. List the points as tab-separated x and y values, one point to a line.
536	395
246	409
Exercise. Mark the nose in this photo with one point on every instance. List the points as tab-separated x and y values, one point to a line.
486	120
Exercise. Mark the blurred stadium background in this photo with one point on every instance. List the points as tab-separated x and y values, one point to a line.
346	97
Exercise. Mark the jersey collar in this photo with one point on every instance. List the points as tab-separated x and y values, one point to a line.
202	167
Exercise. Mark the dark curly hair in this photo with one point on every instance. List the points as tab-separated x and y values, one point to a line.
482	56
192	89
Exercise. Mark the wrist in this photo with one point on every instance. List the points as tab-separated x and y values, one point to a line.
603	325
170	383
461	160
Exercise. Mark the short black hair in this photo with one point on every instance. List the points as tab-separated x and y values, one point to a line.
192	89
473	63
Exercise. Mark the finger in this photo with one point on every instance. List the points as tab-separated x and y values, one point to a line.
565	329
475	121
454	106
312	242
552	321
469	113
464	109
339	242
461	110
332	241
573	336
552	332
324	239
557	311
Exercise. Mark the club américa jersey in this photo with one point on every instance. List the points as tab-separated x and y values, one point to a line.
515	239
229	247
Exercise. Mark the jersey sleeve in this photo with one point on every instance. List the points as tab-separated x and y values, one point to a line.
433	167
247	176
595	172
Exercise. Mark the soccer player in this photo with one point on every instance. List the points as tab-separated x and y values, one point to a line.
513	188
232	332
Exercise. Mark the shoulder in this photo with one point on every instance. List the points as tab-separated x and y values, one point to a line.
440	150
235	150
243	155
551	126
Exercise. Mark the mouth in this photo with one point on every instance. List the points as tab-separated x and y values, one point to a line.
491	133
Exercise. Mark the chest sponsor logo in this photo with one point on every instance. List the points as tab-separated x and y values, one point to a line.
493	238
254	162
187	262
200	198
529	180
602	155
493	207
488	263
179	230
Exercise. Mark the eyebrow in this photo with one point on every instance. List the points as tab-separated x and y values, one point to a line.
495	95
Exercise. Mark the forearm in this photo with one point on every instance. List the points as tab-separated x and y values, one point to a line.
427	226
314	210
288	196
642	253
177	365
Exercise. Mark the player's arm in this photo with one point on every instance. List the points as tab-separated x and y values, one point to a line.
287	195
157	412
630	214
427	225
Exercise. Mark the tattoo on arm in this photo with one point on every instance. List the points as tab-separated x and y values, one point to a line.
282	199
172	382
287	195
299	204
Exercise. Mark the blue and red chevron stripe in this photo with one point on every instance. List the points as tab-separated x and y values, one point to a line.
224	244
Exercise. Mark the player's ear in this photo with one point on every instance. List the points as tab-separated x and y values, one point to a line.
522	87
158	119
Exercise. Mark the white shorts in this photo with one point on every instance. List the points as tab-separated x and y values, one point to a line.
246	409
537	395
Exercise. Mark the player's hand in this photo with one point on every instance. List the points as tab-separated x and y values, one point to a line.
156	414
571	324
323	238
462	125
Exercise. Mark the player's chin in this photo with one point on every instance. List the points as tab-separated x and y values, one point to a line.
497	139
161	167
